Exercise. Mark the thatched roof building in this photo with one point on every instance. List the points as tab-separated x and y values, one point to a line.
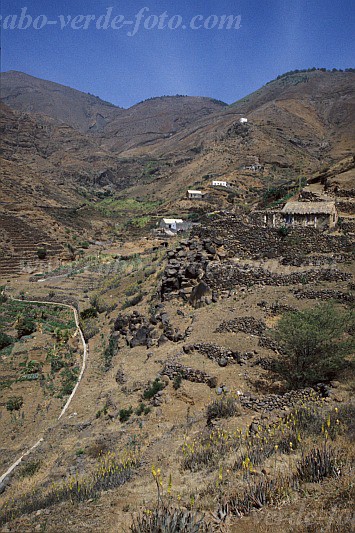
317	214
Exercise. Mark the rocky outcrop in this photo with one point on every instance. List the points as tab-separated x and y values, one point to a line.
139	330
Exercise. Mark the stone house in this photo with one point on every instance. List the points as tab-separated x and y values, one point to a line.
314	214
298	214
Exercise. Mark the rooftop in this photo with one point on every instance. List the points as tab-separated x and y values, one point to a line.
309	208
173	220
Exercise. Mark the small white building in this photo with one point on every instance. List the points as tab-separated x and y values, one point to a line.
194	195
243	120
217	183
171	223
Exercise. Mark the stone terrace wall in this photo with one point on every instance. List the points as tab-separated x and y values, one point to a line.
246	240
227	275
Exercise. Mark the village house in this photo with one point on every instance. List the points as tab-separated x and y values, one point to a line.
194	195
255	168
217	183
171	226
171	223
243	120
300	214
316	214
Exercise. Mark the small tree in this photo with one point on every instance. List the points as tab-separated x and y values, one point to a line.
42	253
14	404
25	326
315	343
5	340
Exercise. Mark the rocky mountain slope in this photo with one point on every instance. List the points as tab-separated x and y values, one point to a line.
69	148
82	111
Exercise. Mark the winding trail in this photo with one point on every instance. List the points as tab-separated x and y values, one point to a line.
68	402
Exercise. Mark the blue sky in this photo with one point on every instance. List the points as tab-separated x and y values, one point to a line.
274	36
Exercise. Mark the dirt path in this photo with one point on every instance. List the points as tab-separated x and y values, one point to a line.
68	402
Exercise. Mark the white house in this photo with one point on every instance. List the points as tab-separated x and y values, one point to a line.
219	183
197	195
171	223
243	120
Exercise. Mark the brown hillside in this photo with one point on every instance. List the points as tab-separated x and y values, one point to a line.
82	111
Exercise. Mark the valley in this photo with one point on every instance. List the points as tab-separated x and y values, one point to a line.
218	388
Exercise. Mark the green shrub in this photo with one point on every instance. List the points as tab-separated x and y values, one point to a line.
165	519
29	469
25	326
151	391
124	414
314	344
110	352
41	253
283	231
69	378
90	328
5	340
319	463
133	301
14	404
56	364
91	312
142	409
177	381
224	407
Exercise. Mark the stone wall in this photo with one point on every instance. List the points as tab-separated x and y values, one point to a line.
346	207
228	275
247	324
247	240
277	401
173	369
324	294
199	269
222	356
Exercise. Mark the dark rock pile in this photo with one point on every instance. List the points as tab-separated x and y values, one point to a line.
140	330
185	270
245	324
221	355
276	308
324	294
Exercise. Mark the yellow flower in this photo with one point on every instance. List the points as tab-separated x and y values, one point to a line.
220	474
